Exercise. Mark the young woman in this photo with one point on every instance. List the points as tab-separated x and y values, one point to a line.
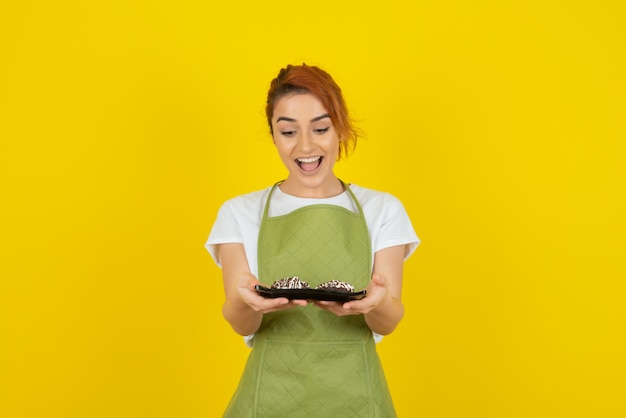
312	358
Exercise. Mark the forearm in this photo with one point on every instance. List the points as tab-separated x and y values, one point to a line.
384	319
388	266
242	318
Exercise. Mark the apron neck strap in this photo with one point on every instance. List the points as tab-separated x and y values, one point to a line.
346	187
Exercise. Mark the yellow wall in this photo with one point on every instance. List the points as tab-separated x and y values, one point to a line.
500	125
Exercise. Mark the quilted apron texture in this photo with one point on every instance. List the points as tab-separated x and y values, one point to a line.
306	362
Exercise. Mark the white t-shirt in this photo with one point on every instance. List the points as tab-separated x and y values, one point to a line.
239	221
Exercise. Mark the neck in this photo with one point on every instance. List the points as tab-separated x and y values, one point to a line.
333	187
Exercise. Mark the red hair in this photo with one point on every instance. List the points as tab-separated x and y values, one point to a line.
300	79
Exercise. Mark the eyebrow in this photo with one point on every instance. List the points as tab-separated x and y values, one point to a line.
315	119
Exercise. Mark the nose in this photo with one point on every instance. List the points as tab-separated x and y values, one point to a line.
306	142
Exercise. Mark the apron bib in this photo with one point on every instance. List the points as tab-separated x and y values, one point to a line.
307	362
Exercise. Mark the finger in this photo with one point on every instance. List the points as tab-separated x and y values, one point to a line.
378	279
351	306
281	301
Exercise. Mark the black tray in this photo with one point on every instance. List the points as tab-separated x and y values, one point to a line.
309	294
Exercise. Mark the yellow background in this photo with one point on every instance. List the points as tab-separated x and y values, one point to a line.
500	125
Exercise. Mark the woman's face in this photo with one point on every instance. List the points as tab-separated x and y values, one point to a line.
307	144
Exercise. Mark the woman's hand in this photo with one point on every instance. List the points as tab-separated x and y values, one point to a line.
382	306
243	308
258	303
377	295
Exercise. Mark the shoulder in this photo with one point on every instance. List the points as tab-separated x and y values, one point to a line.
246	202
380	208
375	198
387	219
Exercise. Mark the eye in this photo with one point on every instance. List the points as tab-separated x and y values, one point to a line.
288	134
321	131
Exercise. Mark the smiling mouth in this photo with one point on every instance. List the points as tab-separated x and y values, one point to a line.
310	163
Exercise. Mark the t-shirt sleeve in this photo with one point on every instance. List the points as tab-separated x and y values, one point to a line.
395	226
226	229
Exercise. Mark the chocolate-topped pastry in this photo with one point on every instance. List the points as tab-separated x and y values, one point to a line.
336	286
290	283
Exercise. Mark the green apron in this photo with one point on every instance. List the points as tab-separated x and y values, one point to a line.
307	362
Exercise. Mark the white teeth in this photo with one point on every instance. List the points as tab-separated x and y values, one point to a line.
308	160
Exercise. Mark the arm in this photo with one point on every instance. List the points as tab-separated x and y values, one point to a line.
387	281
243	308
382	307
